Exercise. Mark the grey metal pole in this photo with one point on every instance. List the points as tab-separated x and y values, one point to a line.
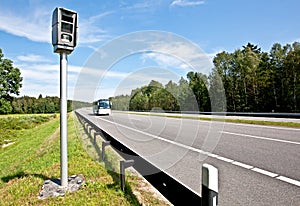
63	120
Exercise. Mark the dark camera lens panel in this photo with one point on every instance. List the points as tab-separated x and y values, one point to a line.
66	18
65	27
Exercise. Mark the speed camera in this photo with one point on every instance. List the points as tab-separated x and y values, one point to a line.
64	30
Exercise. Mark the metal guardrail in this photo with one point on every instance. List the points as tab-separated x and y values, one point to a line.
170	188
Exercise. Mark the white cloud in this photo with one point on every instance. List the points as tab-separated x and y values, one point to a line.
32	58
143	6
35	25
184	3
185	55
166	61
88	30
138	6
41	77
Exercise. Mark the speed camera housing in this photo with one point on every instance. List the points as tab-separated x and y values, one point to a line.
64	30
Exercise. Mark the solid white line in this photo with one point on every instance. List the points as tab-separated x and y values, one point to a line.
264	172
289	180
242	165
263	138
224	159
265	126
213	155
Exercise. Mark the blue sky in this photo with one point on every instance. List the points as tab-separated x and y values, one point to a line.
212	25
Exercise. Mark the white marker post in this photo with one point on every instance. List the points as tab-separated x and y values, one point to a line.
210	178
64	37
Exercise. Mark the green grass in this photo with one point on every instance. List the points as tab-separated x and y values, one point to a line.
137	189
35	157
12	126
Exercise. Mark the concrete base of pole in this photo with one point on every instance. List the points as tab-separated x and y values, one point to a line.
53	188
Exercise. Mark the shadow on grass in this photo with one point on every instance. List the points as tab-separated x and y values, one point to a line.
128	194
22	174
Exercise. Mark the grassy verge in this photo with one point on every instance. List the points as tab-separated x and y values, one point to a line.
35	157
137	188
12	126
270	123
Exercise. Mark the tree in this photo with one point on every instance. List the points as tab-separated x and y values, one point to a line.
246	80
199	83
139	100
186	97
5	106
250	63
224	72
120	102
292	68
10	83
265	79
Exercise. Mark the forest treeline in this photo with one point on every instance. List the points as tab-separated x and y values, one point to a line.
253	81
48	104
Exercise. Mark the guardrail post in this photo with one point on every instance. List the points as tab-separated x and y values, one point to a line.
209	185
123	165
95	134
85	126
104	144
90	130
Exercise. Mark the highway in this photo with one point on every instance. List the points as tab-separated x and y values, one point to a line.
258	165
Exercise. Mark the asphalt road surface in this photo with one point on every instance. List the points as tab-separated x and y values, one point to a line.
258	165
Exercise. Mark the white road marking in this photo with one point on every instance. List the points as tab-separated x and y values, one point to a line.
135	119
263	138
213	155
264	172
224	159
242	165
289	180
